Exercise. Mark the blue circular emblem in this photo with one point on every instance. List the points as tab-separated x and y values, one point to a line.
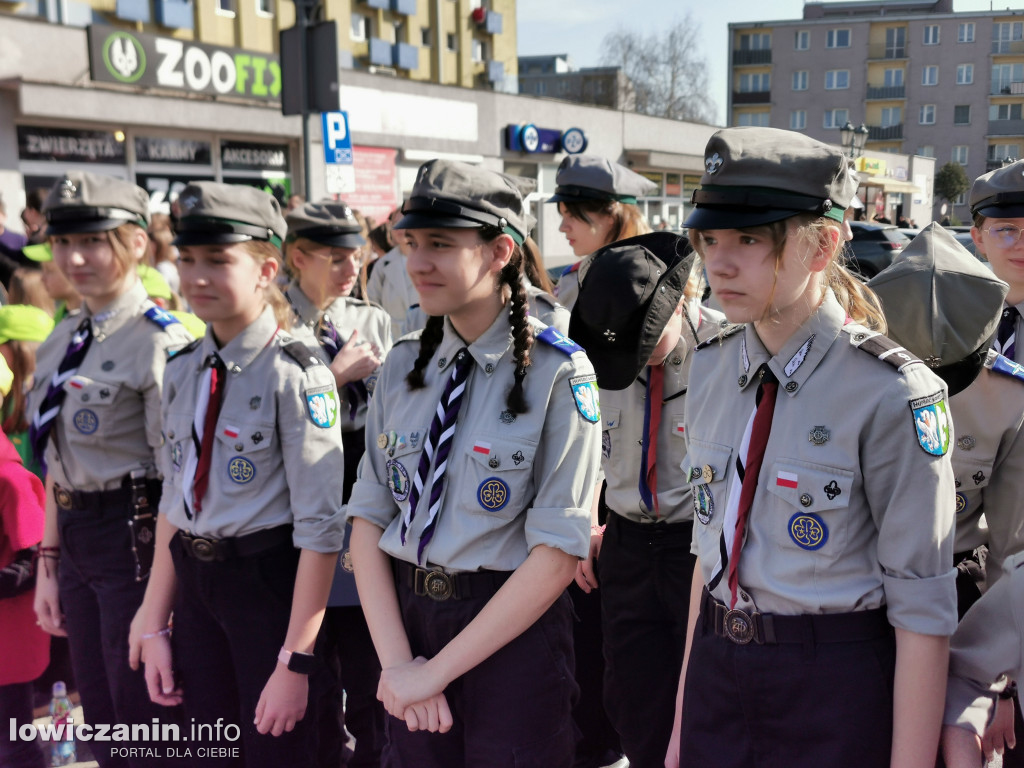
703	503
398	480
86	421
808	531
961	503
492	494
574	141
241	470
529	137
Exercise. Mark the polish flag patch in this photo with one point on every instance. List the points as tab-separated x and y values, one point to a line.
680	428
230	431
786	480
484	448
75	384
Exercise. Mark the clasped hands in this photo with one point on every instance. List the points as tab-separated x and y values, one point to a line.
413	693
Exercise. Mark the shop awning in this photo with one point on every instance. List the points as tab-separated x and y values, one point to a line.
891	186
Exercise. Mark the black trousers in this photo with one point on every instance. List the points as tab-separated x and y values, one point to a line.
230	621
645	573
15	711
99	597
510	711
791	705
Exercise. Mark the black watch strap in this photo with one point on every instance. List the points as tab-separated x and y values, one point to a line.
301	663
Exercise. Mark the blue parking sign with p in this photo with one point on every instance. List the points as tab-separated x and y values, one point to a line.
337	141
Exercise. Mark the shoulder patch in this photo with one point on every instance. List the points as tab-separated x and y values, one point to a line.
725	333
161	317
885	349
571	268
1008	367
932	422
190	347
552	337
301	354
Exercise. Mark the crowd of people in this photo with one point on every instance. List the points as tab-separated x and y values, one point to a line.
379	494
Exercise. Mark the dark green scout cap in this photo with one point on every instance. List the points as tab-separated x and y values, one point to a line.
449	194
330	224
942	304
213	213
91	202
587	177
999	194
627	296
755	176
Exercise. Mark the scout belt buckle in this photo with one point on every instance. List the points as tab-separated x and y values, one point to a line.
437	585
739	626
202	549
62	497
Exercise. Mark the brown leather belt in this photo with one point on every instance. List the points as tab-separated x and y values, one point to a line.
215	550
117	500
438	585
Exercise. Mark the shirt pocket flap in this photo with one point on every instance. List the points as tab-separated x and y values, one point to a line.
810	487
676	424
610	417
90	392
393	445
245	437
972	474
502	453
707	463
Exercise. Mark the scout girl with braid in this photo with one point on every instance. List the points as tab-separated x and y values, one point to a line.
472	505
823	596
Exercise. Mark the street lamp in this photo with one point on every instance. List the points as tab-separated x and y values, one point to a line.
853	139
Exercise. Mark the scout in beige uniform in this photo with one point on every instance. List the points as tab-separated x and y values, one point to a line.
389	286
322	249
629	316
251	523
597	201
473	499
822	486
96	426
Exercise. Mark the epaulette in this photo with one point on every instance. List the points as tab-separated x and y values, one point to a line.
1008	367
161	317
554	338
725	333
885	349
301	354
410	336
548	299
570	269
190	347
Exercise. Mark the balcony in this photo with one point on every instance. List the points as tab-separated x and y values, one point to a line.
1003	88
404	7
133	10
741	58
1008	47
406	56
751	97
885	133
380	52
176	14
882	51
1006	127
887	92
993	164
495	71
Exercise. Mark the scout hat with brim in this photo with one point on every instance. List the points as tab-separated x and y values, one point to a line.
219	214
331	224
24	322
999	194
942	304
628	293
452	195
588	177
754	176
83	202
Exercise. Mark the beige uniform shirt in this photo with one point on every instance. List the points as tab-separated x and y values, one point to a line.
1018	348
854	508
277	455
988	644
988	463
545	308
622	413
513	480
568	286
347	315
391	287
109	424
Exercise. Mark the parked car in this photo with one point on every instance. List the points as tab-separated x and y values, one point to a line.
873	247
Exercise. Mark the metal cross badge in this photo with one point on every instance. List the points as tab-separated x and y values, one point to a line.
68	190
610	335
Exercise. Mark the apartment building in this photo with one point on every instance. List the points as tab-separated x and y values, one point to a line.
924	80
555	77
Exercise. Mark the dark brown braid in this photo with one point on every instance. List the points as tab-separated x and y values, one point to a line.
430	339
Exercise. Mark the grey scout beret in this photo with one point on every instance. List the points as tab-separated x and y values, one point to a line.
942	304
1000	193
329	223
449	194
588	177
213	213
755	176
91	202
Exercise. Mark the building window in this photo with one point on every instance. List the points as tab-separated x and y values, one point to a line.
837	79
425	37
962	114
265	7
1004	112
965	32
1005	34
964	74
760	41
960	154
927	115
478	50
803	40
895	42
226	7
837	38
926	151
360	28
758	83
1005	75
798	119
894	78
930	75
542	88
1002	152
891	116
753	118
836	118
800	80
961	199
452	42
931	34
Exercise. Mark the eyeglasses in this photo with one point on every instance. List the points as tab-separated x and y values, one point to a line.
1005	235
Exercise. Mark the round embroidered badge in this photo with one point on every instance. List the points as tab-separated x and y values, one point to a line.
492	494
398	480
241	470
86	421
703	503
808	531
961	503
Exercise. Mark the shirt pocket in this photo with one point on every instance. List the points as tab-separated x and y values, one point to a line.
815	507
499	476
248	458
87	411
401	453
178	444
972	477
611	443
708	467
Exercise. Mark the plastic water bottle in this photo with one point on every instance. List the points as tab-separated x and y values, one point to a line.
62	751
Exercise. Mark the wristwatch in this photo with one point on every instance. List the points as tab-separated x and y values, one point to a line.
1009	691
302	663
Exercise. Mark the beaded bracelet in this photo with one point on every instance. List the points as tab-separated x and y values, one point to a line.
162	633
597	530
